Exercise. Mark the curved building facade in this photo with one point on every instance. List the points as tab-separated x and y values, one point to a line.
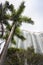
33	39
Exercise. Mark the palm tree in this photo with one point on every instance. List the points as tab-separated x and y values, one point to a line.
3	17
14	29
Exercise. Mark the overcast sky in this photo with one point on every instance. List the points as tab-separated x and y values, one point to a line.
33	9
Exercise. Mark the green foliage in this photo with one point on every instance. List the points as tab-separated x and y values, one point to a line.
20	10
17	30
17	57
33	58
3	18
16	19
13	41
26	19
19	34
5	36
11	7
6	4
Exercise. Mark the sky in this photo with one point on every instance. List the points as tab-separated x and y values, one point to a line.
33	10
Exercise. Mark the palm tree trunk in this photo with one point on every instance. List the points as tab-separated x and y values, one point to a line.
2	58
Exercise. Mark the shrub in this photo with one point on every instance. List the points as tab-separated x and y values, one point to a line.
17	57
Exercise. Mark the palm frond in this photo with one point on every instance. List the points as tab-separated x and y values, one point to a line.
6	36
11	8
6	17
19	33
25	19
13	41
20	36
17	30
6	4
21	8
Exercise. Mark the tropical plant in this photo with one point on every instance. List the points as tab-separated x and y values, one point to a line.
13	29
3	17
15	56
16	19
32	58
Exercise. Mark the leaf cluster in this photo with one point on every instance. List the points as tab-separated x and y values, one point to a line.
16	18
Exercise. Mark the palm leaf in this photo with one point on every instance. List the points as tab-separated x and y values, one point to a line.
20	36
21	8
25	19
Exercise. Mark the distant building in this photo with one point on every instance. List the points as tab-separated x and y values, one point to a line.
33	39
